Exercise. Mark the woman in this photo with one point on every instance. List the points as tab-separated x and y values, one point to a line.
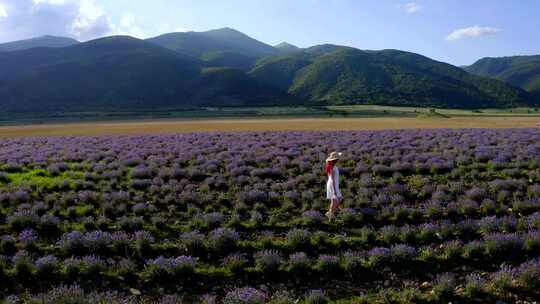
332	186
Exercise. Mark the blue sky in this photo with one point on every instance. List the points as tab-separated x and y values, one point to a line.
454	31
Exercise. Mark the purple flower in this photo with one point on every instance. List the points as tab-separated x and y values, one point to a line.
143	237
23	219
501	244
28	237
312	217
316	296
476	194
235	262
403	252
253	196
72	240
379	255
46	262
298	237
22	257
213	219
178	265
299	261
246	295
268	260
327	262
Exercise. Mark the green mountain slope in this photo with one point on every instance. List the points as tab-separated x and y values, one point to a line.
116	73
323	49
520	71
338	75
287	48
228	59
281	71
198	43
45	41
227	68
231	87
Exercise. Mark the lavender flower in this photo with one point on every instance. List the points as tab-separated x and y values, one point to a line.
312	217
28	237
268	260
327	263
246	295
175	266
316	296
299	261
235	262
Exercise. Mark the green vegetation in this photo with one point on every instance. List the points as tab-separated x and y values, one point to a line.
227	86
44	41
488	112
229	59
120	73
198	43
287	48
520	71
247	112
350	76
280	71
43	179
432	113
176	74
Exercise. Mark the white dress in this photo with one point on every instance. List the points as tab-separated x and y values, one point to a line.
330	189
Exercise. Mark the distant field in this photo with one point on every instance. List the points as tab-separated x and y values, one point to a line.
351	111
452	112
276	124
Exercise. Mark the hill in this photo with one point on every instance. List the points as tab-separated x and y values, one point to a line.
280	72
225	67
44	41
118	73
228	59
287	48
331	74
231	87
221	47
520	71
226	39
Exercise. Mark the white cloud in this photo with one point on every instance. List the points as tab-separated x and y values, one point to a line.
411	7
180	29
3	12
472	32
127	20
128	26
81	19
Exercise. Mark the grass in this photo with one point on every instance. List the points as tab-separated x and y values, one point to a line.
523	111
360	111
353	117
277	124
41	179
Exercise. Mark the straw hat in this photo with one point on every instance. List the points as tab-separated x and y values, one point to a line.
334	156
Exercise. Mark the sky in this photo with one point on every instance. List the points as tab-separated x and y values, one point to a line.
454	31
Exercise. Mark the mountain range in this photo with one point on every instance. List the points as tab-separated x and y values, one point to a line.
228	68
519	71
44	41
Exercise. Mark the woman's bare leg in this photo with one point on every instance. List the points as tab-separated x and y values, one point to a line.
334	205
340	203
331	209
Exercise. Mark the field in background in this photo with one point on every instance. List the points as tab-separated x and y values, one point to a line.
353	111
266	124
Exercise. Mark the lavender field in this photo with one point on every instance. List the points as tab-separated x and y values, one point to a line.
430	216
